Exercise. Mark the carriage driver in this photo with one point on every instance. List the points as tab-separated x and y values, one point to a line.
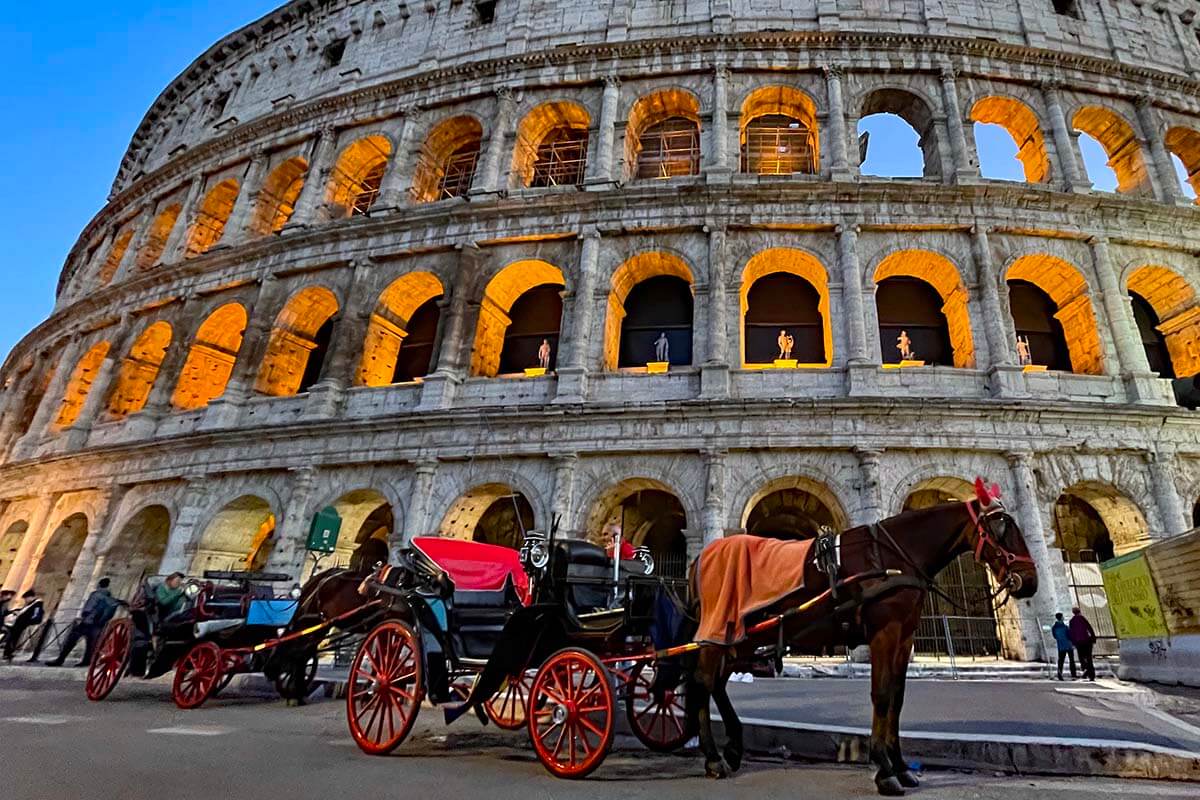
168	595
612	534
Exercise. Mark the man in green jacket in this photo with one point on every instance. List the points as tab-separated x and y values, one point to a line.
169	595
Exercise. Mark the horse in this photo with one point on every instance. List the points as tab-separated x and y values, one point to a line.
907	551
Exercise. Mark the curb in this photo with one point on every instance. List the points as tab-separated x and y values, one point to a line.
1040	755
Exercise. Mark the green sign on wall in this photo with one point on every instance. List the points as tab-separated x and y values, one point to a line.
323	536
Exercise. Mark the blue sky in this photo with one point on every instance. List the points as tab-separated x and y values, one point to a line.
79	84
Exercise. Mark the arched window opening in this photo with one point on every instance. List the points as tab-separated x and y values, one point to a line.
1170	313
521	308
10	544
138	550
299	342
662	139
33	399
1153	342
657	307
212	217
779	132
1122	151
898	135
276	200
794	507
140	370
1058	314
58	560
116	254
536	316
210	362
1035	319
368	525
552	144
1184	147
446	166
784	304
316	357
1005	123
415	359
561	158
1095	164
493	513
80	385
401	334
239	537
910	315
157	236
648	515
357	177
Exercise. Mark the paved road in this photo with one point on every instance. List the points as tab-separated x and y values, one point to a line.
57	746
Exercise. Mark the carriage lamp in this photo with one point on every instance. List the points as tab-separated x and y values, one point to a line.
296	592
192	590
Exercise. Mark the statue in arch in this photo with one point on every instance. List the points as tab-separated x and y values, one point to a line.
662	348
1024	358
786	342
904	345
544	354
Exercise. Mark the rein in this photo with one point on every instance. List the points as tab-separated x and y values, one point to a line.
930	586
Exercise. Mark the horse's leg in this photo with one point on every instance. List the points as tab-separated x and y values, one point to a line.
899	765
735	747
883	661
708	664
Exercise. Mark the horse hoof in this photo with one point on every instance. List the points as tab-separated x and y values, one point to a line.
889	787
733	758
717	770
907	779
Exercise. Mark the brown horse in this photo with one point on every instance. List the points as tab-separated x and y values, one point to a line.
882	613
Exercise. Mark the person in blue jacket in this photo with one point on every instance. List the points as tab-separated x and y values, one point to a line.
1062	637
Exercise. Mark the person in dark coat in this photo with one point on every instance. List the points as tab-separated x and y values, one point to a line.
1084	638
6	596
30	614
96	613
1066	649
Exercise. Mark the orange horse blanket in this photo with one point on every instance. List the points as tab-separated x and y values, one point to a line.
741	574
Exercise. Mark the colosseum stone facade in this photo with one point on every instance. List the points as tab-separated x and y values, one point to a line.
341	242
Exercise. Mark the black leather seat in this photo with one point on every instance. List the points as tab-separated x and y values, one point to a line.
478	617
585	572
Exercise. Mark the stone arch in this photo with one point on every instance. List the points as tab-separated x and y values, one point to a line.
210	362
1114	527
299	343
140	370
357	177
1184	143
1022	125
1120	144
917	113
787	261
651	514
239	535
1067	288
368	527
212	217
449	154
155	242
80	385
1175	305
494	513
662	138
634	271
493	343
552	144
116	254
10	545
276	201
138	549
793	507
57	560
402	330
779	136
943	275
937	490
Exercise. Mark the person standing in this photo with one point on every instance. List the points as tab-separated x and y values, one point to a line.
1084	638
96	613
30	614
6	596
1062	637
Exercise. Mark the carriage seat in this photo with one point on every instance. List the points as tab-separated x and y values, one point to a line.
586	571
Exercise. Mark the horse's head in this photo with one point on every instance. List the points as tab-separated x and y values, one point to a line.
998	542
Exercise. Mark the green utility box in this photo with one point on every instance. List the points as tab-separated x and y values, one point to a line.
323	536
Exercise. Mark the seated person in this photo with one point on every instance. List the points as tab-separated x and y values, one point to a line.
169	599
612	534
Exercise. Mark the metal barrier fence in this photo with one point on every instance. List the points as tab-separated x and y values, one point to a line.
47	636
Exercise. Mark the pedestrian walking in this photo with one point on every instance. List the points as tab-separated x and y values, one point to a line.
1084	638
1066	649
31	613
96	613
6	596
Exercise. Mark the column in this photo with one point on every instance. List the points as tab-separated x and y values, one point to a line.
870	493
1117	307
394	190
439	387
144	424
714	372
489	178
44	507
561	504
995	324
189	527
852	294
417	522
719	162
224	411
312	194
51	400
572	375
714	495
839	158
964	170
176	248
601	171
83	573
288	553
1175	520
345	351
1164	168
1065	145
141	228
237	229
20	388
1052	592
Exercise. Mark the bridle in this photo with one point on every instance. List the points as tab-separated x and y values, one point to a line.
981	535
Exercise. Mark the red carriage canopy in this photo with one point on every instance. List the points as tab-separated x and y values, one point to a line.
474	566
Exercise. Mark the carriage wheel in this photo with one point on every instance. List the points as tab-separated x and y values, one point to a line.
508	710
197	676
387	685
657	714
572	708
110	659
283	683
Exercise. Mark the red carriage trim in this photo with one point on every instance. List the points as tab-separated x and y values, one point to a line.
474	566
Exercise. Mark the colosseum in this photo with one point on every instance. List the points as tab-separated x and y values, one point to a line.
466	268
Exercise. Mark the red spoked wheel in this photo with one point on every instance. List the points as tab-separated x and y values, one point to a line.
110	660
387	685
508	710
198	675
657	714
571	714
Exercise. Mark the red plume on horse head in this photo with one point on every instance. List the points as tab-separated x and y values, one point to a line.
986	494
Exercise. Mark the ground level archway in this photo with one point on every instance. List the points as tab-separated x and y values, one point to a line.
650	515
794	507
57	563
239	537
493	513
138	550
10	545
368	525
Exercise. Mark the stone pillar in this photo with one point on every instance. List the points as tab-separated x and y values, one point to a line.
870	493
189	527
714	495
395	189
141	229
51	400
601	169
964	170
158	404
312	194
489	179
852	293
572	376
714	373
224	411
562	501
439	387
1164	168
15	402
1004	375
1175	519
417	523
346	347
32	541
720	164
287	554
177	242
83	574
237	229
1051	587
1140	384
1065	142
103	385
839	157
